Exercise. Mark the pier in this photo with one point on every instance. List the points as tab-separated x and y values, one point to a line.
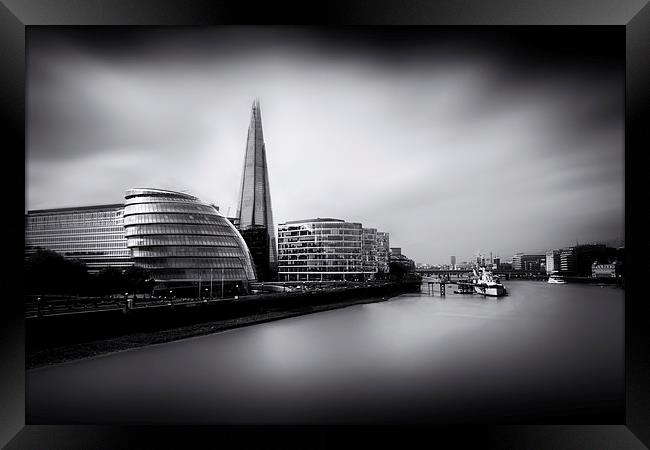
464	287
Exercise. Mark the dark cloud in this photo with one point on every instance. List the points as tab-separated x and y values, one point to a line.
452	139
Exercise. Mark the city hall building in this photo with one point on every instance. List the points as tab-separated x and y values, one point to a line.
181	241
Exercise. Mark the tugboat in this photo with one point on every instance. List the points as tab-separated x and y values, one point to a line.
485	284
554	278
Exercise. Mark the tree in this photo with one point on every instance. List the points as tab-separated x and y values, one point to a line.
48	272
137	280
109	281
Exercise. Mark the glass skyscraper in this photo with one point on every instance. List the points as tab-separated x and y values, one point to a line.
254	213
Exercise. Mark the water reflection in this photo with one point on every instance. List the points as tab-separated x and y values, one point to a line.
544	353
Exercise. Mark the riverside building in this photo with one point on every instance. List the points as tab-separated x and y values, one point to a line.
254	213
91	234
383	251
185	244
321	249
369	251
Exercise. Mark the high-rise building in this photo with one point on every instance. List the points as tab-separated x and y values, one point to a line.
552	261
383	251
453	262
91	234
516	261
321	249
568	260
369	250
254	213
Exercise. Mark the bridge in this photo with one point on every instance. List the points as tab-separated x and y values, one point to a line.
443	272
466	273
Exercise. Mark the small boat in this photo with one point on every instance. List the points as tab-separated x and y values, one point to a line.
554	278
485	284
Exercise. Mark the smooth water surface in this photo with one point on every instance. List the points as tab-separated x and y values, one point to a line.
545	353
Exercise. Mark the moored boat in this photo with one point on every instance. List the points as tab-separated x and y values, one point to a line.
485	284
554	278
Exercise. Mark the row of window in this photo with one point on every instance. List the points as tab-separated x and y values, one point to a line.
315	248
142	208
213	252
204	275
318	270
56	225
311	225
70	243
318	256
56	217
165	240
73	230
160	199
191	263
355	233
210	230
74	246
194	218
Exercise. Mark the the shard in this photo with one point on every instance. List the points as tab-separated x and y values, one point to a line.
254	214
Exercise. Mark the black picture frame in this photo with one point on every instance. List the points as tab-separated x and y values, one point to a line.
16	15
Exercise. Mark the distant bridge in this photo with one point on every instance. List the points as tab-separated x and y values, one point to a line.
464	273
441	272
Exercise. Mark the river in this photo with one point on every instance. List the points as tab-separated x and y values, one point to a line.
543	354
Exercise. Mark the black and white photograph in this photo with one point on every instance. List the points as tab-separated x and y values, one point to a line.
324	225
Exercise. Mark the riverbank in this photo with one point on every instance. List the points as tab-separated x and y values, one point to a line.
75	351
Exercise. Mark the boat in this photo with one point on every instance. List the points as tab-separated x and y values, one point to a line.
485	284
554	278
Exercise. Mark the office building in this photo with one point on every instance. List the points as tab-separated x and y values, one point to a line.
254	213
552	261
603	270
383	251
587	254
568	260
453	262
321	249
369	251
400	263
91	234
529	262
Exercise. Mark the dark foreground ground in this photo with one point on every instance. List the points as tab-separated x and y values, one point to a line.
133	331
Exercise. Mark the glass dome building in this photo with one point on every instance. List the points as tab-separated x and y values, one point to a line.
186	244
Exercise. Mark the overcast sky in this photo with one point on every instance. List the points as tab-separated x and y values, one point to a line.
453	140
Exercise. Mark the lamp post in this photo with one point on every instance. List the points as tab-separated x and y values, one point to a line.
210	282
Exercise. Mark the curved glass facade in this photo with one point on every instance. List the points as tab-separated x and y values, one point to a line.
183	241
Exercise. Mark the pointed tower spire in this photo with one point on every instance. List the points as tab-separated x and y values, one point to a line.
254	208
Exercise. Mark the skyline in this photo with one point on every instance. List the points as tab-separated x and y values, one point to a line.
448	142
